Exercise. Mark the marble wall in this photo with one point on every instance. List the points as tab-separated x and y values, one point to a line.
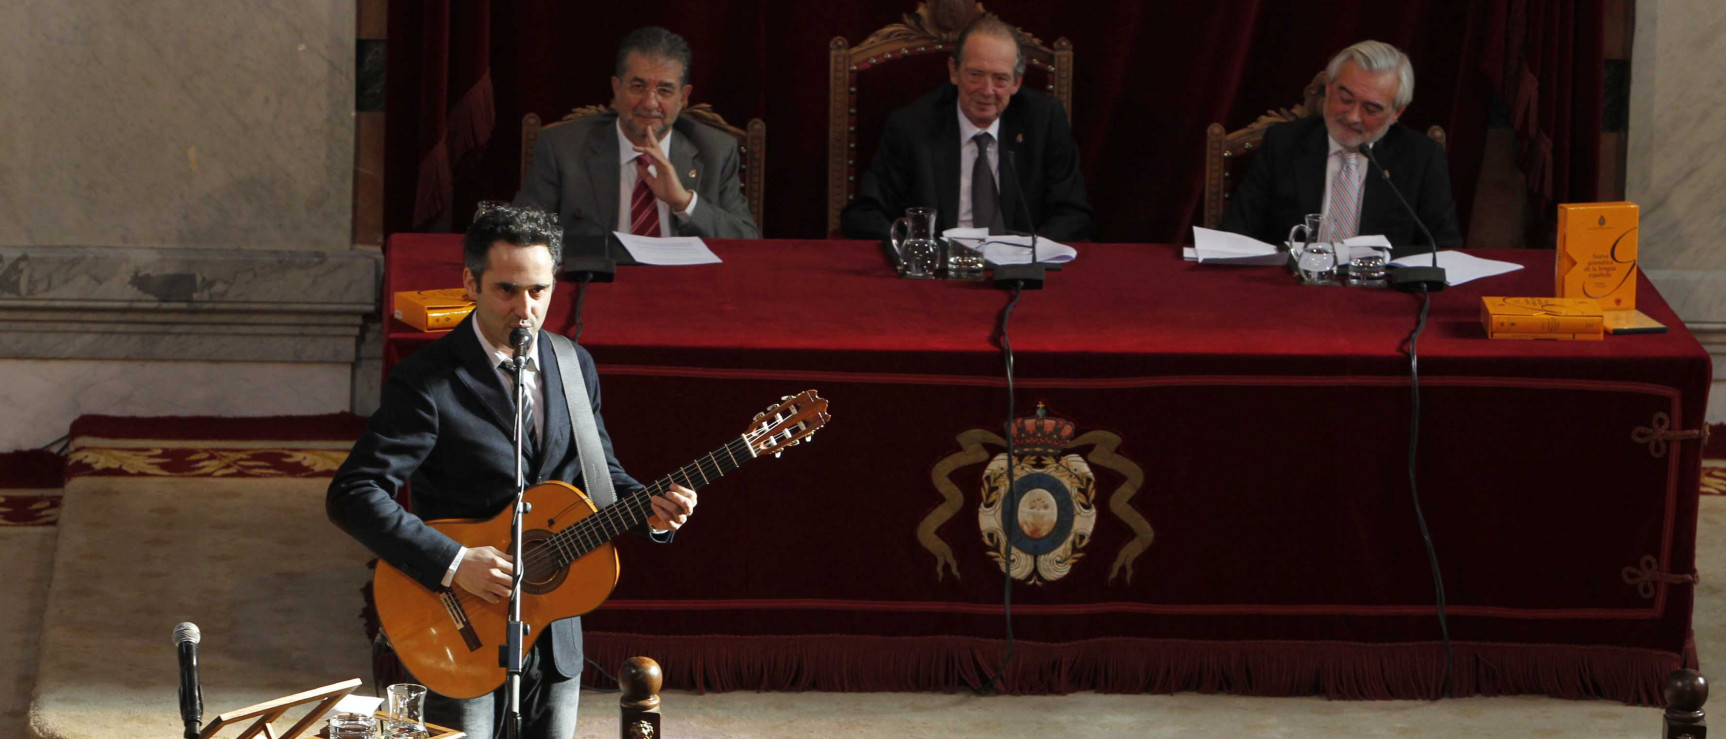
177	123
178	182
1676	166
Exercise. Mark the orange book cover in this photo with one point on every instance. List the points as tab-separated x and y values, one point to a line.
1542	318
1597	253
433	310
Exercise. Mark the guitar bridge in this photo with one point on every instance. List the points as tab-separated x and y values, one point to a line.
458	615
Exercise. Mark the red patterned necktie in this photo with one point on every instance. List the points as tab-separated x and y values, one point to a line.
643	210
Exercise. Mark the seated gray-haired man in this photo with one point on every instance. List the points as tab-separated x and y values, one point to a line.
1315	165
639	168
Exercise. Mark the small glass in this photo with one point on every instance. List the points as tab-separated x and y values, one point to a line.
919	251
962	261
1368	271
352	726
407	711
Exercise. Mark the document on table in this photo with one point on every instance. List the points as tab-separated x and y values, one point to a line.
670	250
1011	248
1211	246
1459	267
1223	247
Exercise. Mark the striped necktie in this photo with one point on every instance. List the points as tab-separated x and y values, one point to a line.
531	444
643	210
1344	218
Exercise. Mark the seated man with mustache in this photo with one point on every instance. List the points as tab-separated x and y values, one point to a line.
1314	165
950	148
638	168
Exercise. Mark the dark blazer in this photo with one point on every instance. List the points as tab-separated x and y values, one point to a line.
917	164
445	425
1286	182
575	175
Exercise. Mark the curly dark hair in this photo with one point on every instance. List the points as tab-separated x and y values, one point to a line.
514	224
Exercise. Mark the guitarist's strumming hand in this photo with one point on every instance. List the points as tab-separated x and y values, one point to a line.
670	510
485	572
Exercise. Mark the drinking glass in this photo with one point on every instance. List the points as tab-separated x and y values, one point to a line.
407	708
351	726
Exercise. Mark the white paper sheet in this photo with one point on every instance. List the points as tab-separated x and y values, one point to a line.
667	250
1223	247
1459	267
1011	248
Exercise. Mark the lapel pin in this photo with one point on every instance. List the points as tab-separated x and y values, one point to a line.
692	174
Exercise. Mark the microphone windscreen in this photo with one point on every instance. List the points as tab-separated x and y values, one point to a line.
187	632
519	338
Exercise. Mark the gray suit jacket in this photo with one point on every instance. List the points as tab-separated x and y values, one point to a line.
575	174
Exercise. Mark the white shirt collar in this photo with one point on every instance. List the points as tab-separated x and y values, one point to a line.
626	148
506	354
968	130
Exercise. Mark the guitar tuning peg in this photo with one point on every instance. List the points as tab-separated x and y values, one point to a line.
776	454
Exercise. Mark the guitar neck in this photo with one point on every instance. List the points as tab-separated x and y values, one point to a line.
634	509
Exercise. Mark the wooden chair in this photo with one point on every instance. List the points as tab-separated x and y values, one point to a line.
1227	153
932	29
751	145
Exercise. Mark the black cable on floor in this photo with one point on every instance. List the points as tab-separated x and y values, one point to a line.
1414	491
1006	542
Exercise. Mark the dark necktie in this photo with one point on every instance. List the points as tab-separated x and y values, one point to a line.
531	445
985	198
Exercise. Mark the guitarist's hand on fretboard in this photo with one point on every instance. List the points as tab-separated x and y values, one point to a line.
485	572
672	509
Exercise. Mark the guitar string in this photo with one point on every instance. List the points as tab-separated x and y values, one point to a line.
639	502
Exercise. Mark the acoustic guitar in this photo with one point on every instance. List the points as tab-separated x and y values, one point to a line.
449	638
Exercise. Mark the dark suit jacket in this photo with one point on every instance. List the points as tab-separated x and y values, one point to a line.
917	164
1286	182
445	425
575	175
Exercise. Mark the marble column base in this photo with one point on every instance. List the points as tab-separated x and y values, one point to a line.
130	331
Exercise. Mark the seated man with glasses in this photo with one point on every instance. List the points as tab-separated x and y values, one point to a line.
638	169
950	148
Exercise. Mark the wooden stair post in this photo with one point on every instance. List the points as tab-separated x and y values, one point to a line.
639	679
1686	691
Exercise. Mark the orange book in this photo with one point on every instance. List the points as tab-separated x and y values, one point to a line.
1597	253
1565	319
433	310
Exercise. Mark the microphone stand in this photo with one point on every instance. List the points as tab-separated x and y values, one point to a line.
1020	276
1410	279
510	652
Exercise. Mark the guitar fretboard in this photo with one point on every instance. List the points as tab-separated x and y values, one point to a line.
634	509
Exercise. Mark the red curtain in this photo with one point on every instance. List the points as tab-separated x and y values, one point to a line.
1149	78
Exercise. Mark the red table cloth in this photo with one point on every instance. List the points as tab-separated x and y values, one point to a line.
1225	500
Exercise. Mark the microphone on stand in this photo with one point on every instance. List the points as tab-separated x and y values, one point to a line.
519	339
186	638
1410	279
1022	276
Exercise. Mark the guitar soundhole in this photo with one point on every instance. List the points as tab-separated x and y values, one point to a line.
543	573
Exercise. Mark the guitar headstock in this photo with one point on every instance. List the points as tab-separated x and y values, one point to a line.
794	419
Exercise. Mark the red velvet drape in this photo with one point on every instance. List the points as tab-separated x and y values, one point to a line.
1149	78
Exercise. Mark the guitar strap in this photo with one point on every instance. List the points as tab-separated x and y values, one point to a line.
595	475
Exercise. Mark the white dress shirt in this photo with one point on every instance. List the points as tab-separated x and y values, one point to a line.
627	177
968	159
534	389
